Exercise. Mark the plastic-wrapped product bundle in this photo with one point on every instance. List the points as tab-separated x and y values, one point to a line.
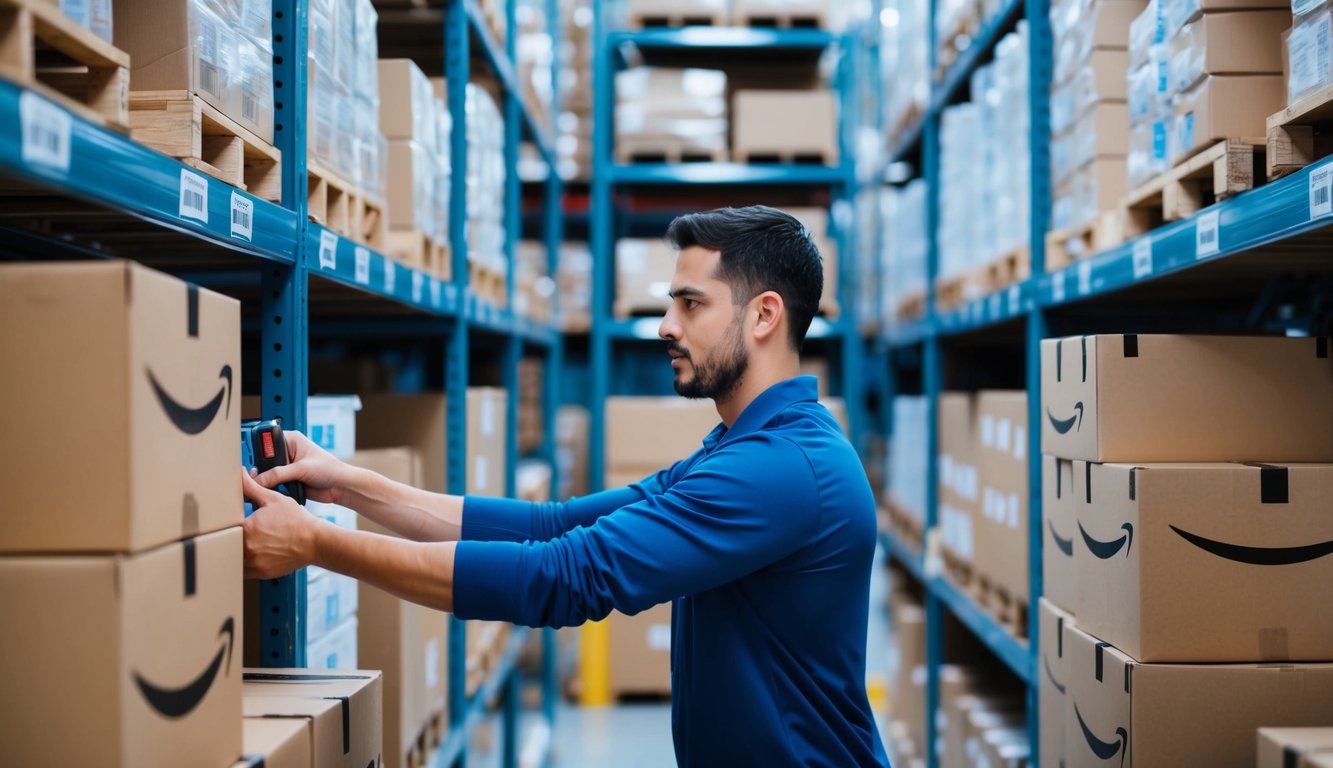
253	92
1310	62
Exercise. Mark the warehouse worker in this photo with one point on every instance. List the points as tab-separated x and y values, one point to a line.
763	538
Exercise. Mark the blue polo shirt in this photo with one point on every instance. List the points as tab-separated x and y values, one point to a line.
763	539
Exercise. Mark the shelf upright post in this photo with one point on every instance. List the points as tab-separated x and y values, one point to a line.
1040	57
456	70
603	246
284	331
513	343
853	372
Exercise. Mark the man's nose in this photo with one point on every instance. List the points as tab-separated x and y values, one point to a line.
669	328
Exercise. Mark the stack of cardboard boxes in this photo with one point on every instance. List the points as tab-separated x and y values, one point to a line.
903	273
904	65
574	283
534	290
907	470
295	718
120	546
344	92
417	129
1309	69
671	114
1184	546
486	172
574	125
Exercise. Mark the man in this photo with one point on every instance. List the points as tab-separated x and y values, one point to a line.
763	539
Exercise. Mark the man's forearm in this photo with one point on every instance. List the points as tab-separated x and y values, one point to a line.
410	512
421	572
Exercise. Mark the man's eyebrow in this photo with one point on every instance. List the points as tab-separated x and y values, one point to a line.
686	292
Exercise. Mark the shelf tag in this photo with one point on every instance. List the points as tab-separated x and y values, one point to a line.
328	250
996	306
1142	257
1058	287
1084	277
242	217
932	561
390	275
435	293
1206	235
1014	299
361	268
46	132
193	196
418	286
1321	191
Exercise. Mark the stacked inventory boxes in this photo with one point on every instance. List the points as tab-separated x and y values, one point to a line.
344	91
417	166
486	254
339	715
671	114
1309	65
907	469
904	275
1179	476
904	64
120	549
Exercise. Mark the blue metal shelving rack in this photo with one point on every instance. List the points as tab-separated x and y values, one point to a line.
284	255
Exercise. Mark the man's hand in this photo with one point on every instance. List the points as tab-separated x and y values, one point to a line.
279	535
323	474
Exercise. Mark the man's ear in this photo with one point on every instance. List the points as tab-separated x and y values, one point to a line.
771	314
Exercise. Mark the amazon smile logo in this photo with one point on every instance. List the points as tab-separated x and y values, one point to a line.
1062	426
1104	750
1258	555
179	702
189	420
1046	662
1066	546
1105	550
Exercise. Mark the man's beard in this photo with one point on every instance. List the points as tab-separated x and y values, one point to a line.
718	379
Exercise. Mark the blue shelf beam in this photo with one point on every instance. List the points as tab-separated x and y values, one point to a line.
726	173
1015	655
501	61
724	38
473	711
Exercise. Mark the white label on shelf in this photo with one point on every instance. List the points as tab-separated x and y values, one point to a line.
435	293
46	132
242	216
996	306
390	275
418	286
193	196
1206	235
659	637
328	250
1058	287
932	563
1014	295
1321	191
1084	277
361	265
1142	257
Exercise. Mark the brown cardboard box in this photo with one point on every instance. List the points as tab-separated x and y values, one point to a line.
785	124
1059	556
419	421
1231	43
1105	181
909	701
1111	20
404	94
1186	398
1002	458
959	491
1108	125
641	652
1293	747
644	269
123	660
275	743
1108	68
487	417
176	46
1051	668
124	413
1208	7
411	185
986	729
344	708
571	452
1207	562
1222	107
646	434
1172	715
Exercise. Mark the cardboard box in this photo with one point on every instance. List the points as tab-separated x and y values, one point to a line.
343	708
1102	25
331	423
1178	13
1222	107
128	437
177	45
1207	562
571	451
123	660
1186	398
407	101
1160	715
1293	747
959	490
411	190
785	124
487	417
988	729
1052	706
647	434
1002	458
1307	67
644	269
418	421
641	652
275	743
1228	43
909	700
1059	556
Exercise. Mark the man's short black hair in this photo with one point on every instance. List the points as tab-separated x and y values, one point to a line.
763	249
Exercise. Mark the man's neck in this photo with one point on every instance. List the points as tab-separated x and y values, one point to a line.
755	382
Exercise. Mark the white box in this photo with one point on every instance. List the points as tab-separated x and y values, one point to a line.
336	650
331	598
331	423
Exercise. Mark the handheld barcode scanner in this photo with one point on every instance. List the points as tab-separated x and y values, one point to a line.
263	447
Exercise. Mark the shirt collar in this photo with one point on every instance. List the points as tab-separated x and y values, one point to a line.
763	408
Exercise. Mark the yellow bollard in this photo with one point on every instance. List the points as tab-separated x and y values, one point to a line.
595	663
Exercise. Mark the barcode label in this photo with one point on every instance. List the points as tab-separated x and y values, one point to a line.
46	132
390	276
194	196
1142	257
362	266
1084	278
328	250
249	107
435	293
1321	185
208	79
418	286
1206	235
1058	287
242	216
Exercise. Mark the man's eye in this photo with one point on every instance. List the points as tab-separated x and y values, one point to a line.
691	303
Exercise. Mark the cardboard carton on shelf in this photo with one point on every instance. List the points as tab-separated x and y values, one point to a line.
1059	556
487	416
959	490
647	434
134	660
1222	107
343	709
786	124
126	439
1159	398
640	661
415	421
1295	748
275	743
1052	668
1002	458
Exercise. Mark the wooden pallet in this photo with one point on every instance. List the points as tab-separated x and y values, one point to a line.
959	573
644	149
1300	134
345	208
768	15
911	306
1227	168
953	292
43	50
182	125
1066	246
488	283
790	157
419	250
662	18
906	527
1013	267
1008	611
